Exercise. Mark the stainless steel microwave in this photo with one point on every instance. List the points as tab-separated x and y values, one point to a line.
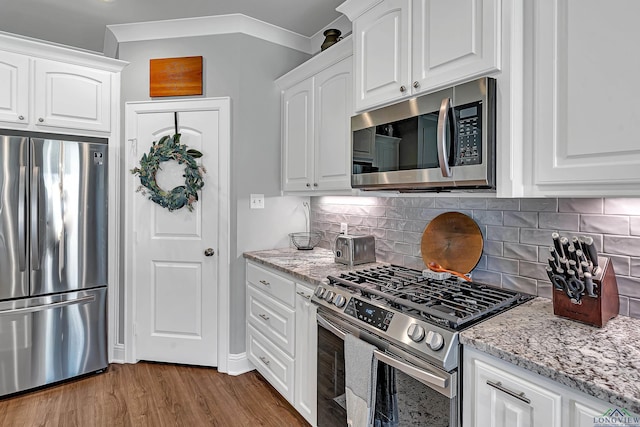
440	141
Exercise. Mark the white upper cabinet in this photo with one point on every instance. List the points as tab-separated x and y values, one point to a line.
297	136
407	47
71	96
317	104
14	88
454	41
583	75
382	53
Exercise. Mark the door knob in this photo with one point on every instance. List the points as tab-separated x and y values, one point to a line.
209	252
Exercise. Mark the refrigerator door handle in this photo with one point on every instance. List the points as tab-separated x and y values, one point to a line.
22	212
41	307
35	219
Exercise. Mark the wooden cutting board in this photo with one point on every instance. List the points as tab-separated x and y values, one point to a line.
454	241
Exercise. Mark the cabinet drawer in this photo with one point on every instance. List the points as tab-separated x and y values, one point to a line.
275	366
275	320
271	283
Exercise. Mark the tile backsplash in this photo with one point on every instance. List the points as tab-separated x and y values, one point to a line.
516	232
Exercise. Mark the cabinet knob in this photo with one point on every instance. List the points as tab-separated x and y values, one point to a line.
315	184
41	120
416	84
403	88
209	252
308	185
20	117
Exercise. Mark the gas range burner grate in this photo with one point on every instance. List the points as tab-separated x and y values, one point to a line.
449	302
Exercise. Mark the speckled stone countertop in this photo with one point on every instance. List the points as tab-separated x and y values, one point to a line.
309	266
604	363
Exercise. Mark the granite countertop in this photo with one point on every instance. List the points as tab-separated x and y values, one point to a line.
604	363
309	266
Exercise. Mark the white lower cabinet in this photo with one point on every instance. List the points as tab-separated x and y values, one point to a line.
282	336
497	393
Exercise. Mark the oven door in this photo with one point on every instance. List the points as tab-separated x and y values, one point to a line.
425	394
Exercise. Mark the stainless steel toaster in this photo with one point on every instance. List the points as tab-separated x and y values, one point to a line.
353	250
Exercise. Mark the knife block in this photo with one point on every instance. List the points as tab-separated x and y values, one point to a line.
593	311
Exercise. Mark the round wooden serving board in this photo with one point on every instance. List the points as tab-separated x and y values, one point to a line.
454	241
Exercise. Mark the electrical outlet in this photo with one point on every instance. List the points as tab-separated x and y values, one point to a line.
344	228
257	201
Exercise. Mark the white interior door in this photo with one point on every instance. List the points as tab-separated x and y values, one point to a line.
175	285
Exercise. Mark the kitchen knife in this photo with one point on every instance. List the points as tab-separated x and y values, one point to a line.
552	263
584	266
572	254
556	244
576	243
555	255
580	256
582	245
592	253
564	242
589	285
574	267
550	273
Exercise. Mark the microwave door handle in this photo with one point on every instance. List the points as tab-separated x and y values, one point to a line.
443	123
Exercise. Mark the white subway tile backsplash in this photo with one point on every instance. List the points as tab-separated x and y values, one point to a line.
559	221
539	205
516	232
521	219
503	204
534	236
622	207
521	284
488	217
533	270
606	224
583	206
503	234
635	267
520	251
622	245
502	265
634	225
493	248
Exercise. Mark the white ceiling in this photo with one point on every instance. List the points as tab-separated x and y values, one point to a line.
81	23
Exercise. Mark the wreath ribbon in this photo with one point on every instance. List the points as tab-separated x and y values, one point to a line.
169	148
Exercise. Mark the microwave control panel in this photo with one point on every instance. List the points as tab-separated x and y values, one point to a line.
469	134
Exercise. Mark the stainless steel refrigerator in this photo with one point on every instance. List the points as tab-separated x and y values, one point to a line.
53	259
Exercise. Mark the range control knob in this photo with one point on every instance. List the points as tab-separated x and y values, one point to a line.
339	301
434	340
328	297
415	332
319	291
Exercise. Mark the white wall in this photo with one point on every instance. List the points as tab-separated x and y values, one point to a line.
243	68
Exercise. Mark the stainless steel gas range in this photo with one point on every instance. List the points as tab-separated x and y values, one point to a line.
414	322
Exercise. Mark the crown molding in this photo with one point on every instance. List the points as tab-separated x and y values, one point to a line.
58	52
203	26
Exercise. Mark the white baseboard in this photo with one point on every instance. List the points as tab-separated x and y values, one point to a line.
117	354
239	364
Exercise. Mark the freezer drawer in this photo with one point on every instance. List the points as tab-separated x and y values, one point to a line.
48	339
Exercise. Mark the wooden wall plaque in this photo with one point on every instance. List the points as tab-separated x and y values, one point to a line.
175	76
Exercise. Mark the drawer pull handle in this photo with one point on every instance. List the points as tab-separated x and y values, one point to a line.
264	282
303	295
264	360
520	396
264	316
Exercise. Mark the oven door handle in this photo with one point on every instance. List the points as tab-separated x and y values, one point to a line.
391	361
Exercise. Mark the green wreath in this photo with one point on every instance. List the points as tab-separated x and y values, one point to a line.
169	148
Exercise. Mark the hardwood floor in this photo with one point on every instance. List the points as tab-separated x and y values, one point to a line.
153	394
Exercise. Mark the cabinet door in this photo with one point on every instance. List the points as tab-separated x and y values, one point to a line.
306	355
333	109
297	128
583	413
14	88
72	96
585	98
381	51
453	41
